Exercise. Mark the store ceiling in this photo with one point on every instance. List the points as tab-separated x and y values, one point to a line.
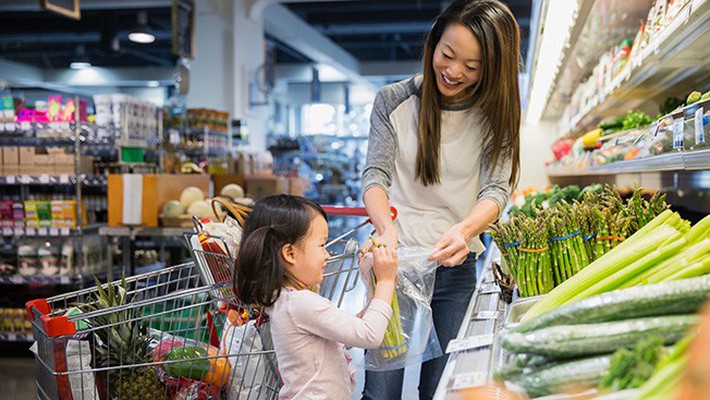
384	30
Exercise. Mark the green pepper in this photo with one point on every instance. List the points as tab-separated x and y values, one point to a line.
196	366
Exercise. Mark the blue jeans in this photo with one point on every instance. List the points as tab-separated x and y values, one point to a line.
453	289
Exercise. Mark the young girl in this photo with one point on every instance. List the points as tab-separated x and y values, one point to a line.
281	254
444	149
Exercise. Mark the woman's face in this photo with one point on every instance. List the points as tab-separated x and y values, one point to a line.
457	63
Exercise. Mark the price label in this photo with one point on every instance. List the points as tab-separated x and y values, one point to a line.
64	126
699	131
63	178
31	232
488	289
42	231
10	127
44	179
654	129
2	127
10	180
486	315
471	342
19	232
7	231
25	179
678	133
25	125
468	380
53	232
64	231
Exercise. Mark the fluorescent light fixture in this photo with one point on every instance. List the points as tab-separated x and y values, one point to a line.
142	32
153	83
79	64
560	17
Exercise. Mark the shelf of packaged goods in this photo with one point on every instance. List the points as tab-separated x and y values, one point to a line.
127	231
675	56
685	161
16	337
45	179
201	132
37	280
48	232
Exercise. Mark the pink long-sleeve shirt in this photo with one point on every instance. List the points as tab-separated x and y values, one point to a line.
309	332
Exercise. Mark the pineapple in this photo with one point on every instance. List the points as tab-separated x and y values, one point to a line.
120	340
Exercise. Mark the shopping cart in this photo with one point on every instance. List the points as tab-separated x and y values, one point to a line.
177	333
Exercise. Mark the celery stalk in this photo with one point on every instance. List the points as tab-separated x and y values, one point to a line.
696	269
672	265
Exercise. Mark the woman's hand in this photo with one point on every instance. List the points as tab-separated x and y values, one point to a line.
451	250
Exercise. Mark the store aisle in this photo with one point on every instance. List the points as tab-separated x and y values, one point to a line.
18	378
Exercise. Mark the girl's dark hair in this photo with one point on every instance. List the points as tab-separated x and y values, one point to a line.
274	222
497	92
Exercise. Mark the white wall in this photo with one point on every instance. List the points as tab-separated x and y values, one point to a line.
535	149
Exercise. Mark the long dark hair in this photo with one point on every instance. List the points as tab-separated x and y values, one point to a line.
497	92
274	222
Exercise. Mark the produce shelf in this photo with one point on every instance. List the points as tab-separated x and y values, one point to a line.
37	280
685	161
126	231
674	58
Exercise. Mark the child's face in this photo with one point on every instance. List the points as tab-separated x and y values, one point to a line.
310	255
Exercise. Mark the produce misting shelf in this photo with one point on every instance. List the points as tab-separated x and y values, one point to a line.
474	364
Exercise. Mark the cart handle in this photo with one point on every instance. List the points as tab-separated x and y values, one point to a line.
357	211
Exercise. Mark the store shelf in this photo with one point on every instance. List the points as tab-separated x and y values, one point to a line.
37	280
44	179
49	232
127	231
16	337
677	55
479	353
686	161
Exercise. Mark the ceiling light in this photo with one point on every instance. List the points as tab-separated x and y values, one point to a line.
79	65
142	33
153	83
80	60
555	34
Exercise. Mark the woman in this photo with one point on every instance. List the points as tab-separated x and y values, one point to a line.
444	149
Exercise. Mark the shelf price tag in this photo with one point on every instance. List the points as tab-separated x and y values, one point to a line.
678	133
699	130
44	179
10	127
469	380
31	232
471	342
10	179
53	232
42	231
64	232
63	178
7	231
489	314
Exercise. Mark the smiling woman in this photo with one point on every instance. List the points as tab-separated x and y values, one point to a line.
444	150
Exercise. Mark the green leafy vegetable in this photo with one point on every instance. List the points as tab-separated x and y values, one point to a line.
631	368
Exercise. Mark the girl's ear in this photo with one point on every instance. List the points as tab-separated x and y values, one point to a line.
288	252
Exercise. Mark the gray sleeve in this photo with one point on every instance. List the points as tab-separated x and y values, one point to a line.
494	182
381	148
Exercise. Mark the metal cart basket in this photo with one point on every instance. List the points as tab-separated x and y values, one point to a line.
177	333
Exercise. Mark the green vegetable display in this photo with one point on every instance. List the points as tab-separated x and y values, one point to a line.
630	368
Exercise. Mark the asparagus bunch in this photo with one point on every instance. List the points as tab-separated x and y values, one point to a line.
534	258
394	343
567	250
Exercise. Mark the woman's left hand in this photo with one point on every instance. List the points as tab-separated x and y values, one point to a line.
451	250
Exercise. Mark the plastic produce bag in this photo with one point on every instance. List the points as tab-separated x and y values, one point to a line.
410	337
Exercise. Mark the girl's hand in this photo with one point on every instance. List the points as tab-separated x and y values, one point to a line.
451	250
385	265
